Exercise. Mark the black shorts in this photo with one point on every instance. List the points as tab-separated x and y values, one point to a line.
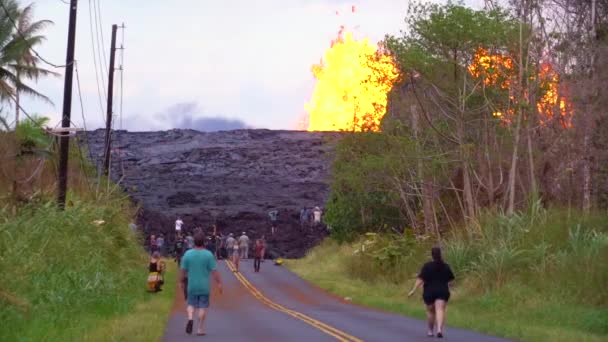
430	296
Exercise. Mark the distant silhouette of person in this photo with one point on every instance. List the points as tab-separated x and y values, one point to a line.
257	255
178	249
435	276
303	216
230	242
178	225
189	241
160	243
317	215
273	220
263	240
244	246
153	246
236	256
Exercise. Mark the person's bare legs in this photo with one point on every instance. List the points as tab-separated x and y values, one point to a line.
430	315
235	261
190	311
440	308
202	313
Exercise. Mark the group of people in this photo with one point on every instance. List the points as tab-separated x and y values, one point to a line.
197	260
310	216
199	263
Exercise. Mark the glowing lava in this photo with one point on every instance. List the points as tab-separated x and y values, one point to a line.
353	80
498	70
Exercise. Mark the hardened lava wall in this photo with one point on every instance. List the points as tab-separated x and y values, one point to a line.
232	178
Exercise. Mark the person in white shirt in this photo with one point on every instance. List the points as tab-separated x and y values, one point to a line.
178	225
317	215
244	246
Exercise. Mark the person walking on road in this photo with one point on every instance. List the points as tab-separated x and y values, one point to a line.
236	256
160	244
178	225
230	242
189	241
244	246
197	265
178	249
257	255
263	240
435	276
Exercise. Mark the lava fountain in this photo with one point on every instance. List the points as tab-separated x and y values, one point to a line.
354	78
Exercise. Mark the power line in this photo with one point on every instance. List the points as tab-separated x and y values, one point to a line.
99	92
103	45
99	52
6	12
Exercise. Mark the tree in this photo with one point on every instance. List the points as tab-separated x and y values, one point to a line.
19	34
436	55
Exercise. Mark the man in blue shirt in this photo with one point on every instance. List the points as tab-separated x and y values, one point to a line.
197	265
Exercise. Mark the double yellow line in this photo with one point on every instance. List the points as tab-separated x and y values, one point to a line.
338	334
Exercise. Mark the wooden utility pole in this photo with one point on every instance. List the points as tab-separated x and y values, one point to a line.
64	142
108	146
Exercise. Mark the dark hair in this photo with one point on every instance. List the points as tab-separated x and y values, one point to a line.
436	254
199	240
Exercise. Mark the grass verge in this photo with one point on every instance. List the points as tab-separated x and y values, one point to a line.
530	282
68	276
145	322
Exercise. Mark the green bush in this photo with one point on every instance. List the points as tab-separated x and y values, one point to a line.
547	251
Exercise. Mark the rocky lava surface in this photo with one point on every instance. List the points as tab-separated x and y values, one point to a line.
230	178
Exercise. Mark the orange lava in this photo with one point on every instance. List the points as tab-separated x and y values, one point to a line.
353	81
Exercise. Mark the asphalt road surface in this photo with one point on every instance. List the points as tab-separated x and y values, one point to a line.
276	305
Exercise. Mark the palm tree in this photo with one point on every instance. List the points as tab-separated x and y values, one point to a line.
18	35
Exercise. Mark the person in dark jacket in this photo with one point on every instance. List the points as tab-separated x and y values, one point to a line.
435	277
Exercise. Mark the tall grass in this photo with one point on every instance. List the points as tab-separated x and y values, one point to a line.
69	275
537	275
60	266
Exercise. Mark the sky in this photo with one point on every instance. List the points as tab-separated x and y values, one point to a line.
202	64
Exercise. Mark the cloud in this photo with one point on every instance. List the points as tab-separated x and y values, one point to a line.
184	115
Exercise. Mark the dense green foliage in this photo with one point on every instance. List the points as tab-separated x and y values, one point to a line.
535	276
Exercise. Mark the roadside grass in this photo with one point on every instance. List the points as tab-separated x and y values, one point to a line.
532	277
65	278
73	275
145	322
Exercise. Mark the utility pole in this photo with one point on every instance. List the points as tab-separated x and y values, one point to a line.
64	142
106	161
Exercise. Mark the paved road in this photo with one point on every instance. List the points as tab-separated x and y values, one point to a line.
276	305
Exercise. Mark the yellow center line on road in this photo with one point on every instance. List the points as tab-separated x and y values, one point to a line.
338	334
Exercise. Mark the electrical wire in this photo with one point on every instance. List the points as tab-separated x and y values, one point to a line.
100	53
84	121
103	45
99	91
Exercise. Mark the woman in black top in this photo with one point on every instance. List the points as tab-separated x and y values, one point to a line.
435	276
